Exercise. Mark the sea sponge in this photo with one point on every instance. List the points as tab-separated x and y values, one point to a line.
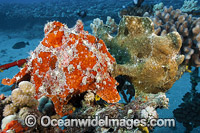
154	60
132	110
42	101
46	106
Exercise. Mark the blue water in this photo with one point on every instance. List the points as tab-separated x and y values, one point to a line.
23	20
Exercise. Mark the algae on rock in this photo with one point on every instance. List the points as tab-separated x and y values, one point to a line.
154	60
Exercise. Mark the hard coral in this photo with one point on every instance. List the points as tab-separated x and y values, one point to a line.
188	111
69	62
131	111
154	60
190	6
21	97
158	7
187	26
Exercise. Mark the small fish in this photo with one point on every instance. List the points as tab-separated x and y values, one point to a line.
19	45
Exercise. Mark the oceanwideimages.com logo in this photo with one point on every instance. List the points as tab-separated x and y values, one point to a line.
46	121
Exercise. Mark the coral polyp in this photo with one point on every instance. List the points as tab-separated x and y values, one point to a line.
68	62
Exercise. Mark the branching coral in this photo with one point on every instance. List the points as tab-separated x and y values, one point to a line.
21	97
154	60
158	7
110	26
190	6
187	26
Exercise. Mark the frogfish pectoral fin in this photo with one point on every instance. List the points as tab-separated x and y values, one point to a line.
109	94
59	103
16	78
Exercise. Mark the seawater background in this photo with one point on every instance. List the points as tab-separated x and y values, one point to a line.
12	32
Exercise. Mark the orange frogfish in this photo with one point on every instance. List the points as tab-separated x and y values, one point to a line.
67	62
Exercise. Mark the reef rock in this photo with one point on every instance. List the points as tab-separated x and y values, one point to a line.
186	25
154	60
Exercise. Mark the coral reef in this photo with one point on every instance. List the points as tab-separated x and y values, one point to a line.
133	110
154	60
187	26
69	62
20	97
142	105
189	6
16	123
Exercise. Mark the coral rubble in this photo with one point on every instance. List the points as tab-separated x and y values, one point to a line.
69	62
154	60
142	107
